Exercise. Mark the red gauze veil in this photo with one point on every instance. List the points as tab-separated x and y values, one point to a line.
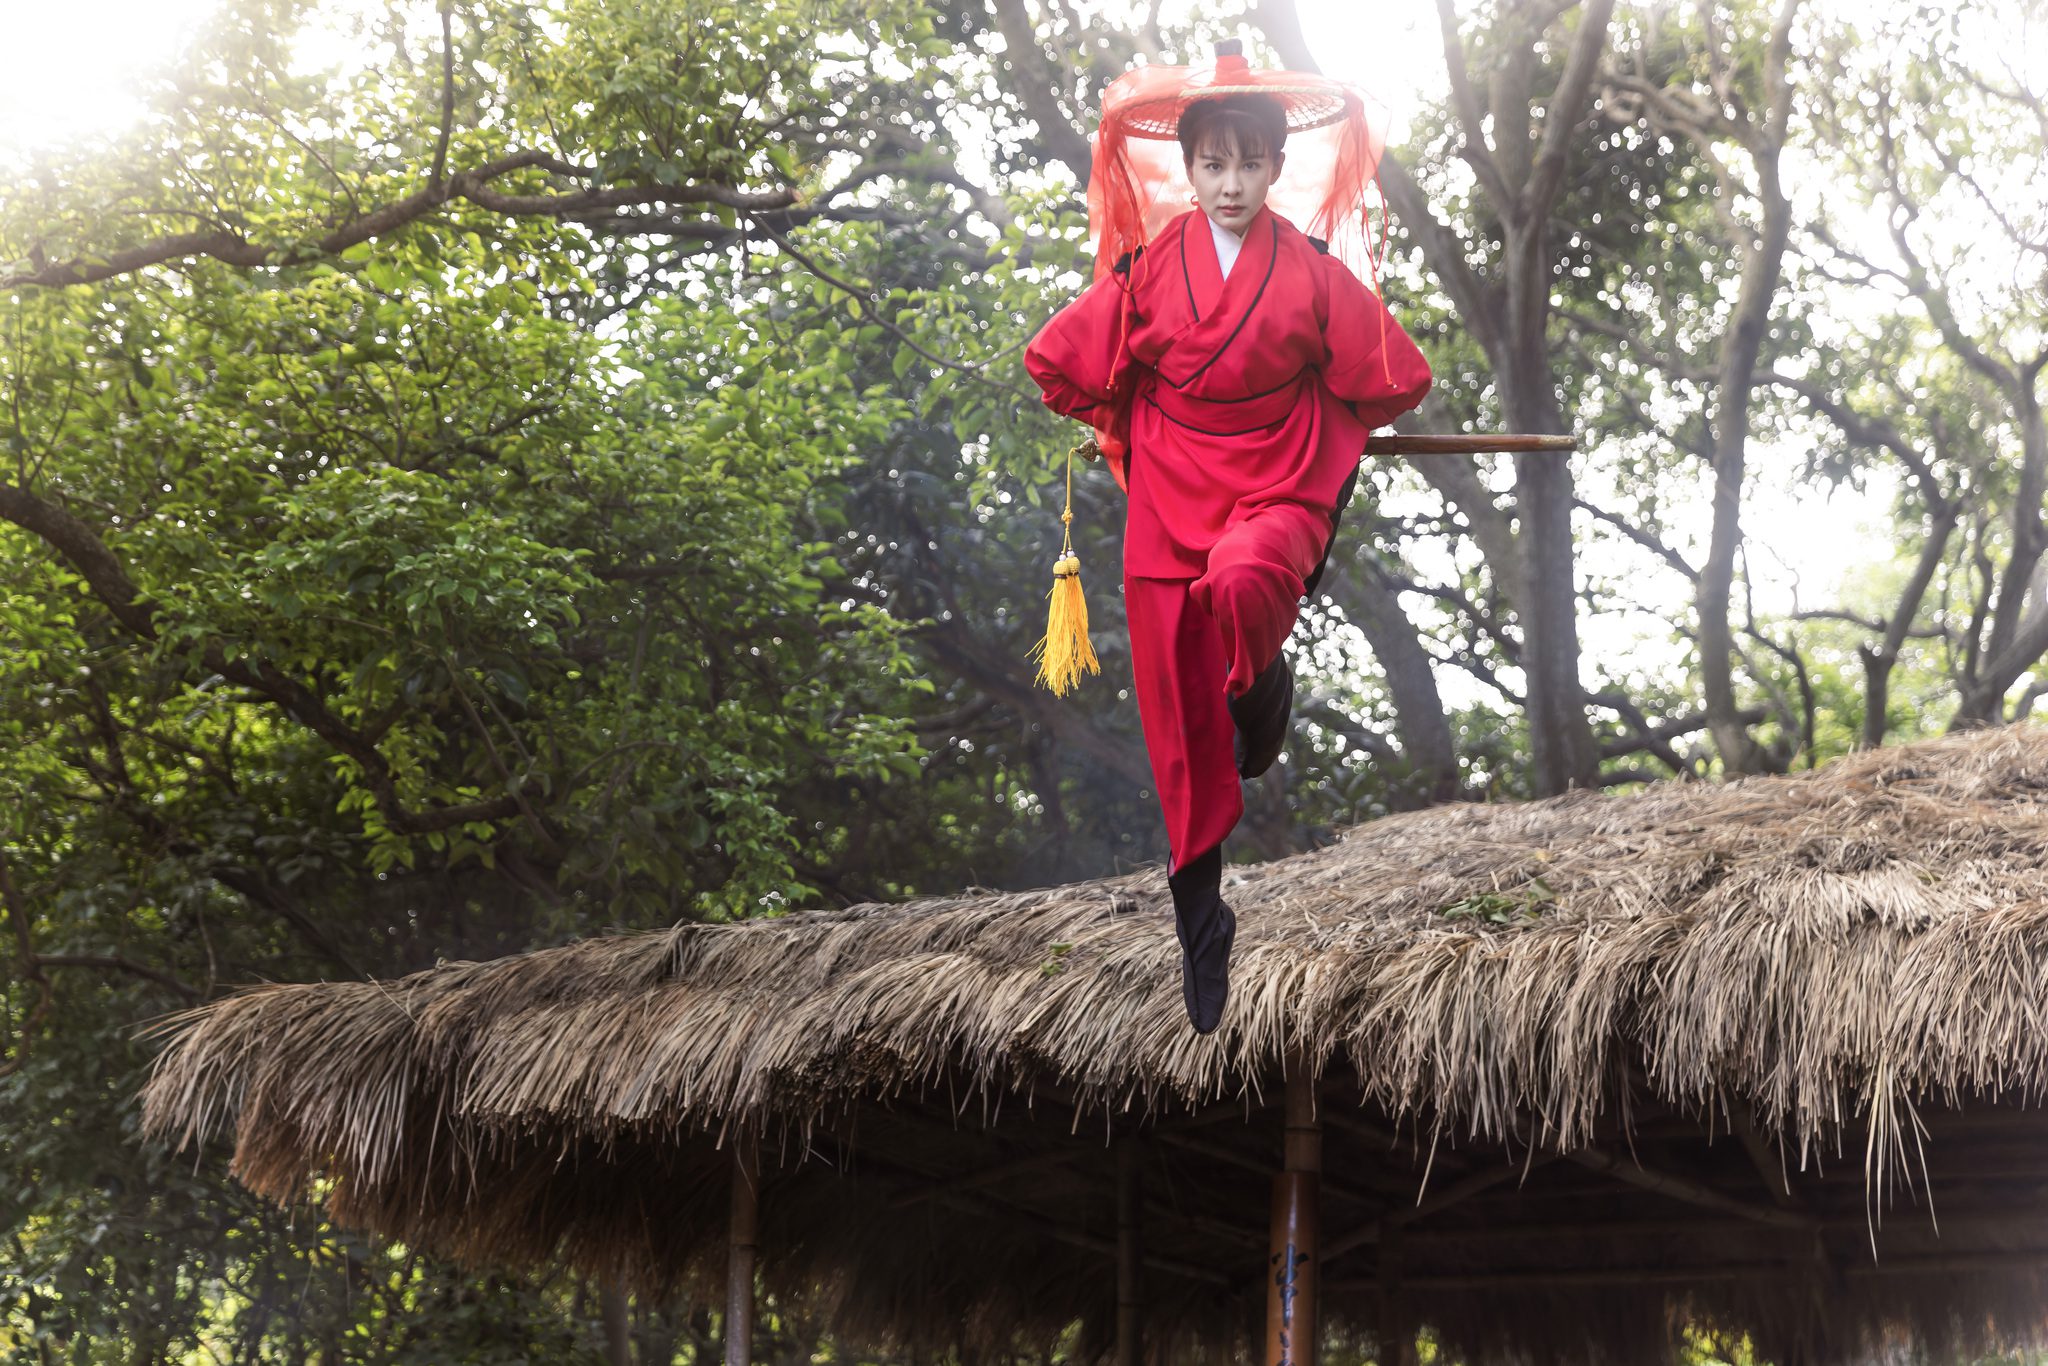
1137	182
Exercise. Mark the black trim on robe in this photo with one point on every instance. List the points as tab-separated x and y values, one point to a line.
1272	260
1308	585
1209	431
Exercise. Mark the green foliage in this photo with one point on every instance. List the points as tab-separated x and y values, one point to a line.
1520	907
445	618
648	533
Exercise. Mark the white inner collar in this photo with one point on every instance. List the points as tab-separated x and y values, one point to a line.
1228	244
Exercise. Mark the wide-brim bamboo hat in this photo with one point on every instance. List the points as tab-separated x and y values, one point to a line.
1138	181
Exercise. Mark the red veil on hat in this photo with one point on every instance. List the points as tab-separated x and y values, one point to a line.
1137	184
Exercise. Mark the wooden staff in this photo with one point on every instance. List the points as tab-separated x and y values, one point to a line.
1399	443
1479	443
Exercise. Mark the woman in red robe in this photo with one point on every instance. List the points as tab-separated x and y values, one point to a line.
1233	369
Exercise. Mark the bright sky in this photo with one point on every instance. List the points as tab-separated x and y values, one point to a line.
72	89
72	63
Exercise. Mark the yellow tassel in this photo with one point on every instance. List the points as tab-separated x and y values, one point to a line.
1066	652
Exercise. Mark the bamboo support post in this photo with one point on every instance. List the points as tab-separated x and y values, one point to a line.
1292	1261
1129	1252
1396	1328
742	1233
618	1327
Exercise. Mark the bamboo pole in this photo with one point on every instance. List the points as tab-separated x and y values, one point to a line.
742	1233
1399	443
1129	1259
1480	443
1291	1263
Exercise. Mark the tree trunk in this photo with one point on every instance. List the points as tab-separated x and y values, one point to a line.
618	1341
1419	718
1562	752
1521	172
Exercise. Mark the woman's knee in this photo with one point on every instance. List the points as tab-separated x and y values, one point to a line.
1236	587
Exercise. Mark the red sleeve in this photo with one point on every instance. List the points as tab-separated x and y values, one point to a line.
1078	360
1078	356
1367	359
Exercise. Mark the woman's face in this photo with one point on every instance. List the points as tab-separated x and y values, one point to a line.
1230	186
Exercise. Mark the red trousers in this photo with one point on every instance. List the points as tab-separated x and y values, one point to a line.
1196	643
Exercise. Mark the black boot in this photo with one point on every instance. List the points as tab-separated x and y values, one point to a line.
1206	928
1260	713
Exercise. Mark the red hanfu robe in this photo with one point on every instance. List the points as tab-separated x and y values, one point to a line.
1234	393
1233	411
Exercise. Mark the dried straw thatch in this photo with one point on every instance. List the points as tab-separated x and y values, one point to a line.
1752	1018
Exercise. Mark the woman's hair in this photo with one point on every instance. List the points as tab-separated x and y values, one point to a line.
1243	125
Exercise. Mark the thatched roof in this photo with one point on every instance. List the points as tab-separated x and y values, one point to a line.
1844	971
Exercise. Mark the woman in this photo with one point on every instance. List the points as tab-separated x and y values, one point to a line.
1232	367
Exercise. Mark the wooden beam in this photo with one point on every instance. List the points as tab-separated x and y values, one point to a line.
1459	1191
1986	1119
1446	1240
1510	1280
923	1189
1955	1173
1004	1212
1208	1224
1240	1110
1363	1128
988	1176
1683	1188
2029	1259
1064	1099
967	1183
1973	1263
1000	1210
1232	1157
1771	1167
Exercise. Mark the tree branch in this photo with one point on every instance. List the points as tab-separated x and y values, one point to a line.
104	574
116	963
1642	538
1477	151
1035	87
1561	114
474	186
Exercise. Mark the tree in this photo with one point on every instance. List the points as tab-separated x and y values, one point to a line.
1519	160
1948	152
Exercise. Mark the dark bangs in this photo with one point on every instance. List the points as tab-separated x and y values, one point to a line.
1235	125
